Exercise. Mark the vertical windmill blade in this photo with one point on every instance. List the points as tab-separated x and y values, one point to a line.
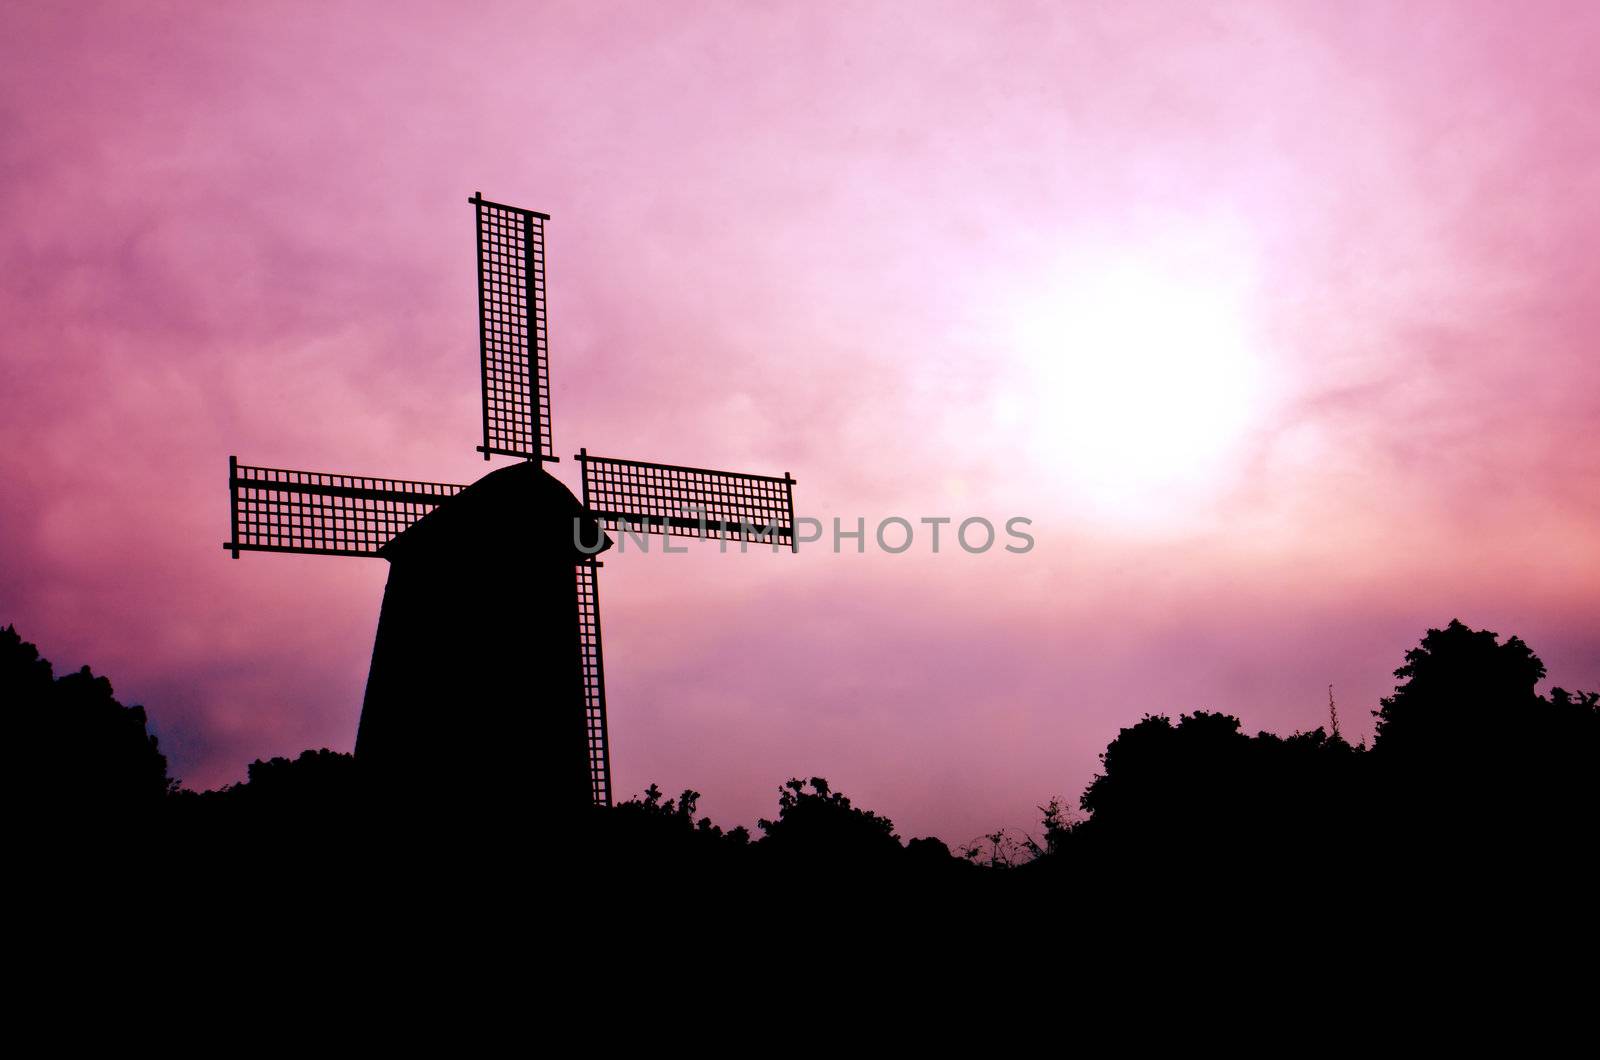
513	331
594	681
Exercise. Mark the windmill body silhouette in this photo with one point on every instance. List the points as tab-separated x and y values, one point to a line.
487	669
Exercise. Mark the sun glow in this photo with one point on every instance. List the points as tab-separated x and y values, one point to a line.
1137	387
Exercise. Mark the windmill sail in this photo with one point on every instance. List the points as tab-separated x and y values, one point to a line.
688	501
277	510
594	680
513	331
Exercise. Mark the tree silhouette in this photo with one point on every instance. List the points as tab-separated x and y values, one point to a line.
76	751
1472	775
1463	690
1162	780
1469	756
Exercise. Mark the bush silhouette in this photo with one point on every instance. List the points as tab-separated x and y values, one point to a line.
650	828
1200	789
821	825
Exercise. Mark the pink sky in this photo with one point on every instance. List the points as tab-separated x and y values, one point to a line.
1277	320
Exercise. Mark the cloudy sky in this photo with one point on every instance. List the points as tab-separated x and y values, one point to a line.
1277	320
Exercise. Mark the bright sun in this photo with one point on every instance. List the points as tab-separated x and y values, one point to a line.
1139	387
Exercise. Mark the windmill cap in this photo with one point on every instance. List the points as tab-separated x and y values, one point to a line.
516	510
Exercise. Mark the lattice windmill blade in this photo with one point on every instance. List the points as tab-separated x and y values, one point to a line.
594	680
277	510
513	328
669	498
688	501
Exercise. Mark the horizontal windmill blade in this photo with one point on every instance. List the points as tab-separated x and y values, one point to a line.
688	501
320	514
513	330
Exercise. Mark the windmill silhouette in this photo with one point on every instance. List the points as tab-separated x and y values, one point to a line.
487	668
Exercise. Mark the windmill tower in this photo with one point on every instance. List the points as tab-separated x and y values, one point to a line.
487	670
